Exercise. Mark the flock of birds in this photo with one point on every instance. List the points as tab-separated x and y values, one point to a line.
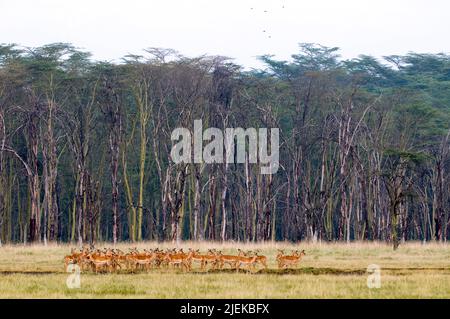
266	12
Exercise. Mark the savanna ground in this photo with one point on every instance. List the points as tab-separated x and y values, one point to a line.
333	270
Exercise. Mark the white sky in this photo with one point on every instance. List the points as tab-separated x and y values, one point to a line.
111	29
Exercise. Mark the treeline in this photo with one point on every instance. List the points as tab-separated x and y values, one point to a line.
85	145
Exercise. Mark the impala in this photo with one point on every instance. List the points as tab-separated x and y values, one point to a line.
108	259
197	257
212	258
246	261
180	259
227	259
261	260
99	262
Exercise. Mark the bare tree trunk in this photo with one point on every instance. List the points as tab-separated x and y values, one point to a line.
2	178
80	195
114	146
212	208
33	181
439	199
223	203
176	202
197	195
50	159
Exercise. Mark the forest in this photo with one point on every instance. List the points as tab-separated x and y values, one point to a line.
85	147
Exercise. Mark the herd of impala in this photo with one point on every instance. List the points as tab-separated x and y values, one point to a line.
112	260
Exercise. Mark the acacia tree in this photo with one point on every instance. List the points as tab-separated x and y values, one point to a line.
364	150
79	125
50	165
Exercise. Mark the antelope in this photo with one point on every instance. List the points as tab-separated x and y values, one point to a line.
159	257
261	259
290	260
246	261
197	257
119	259
76	257
108	259
99	262
143	259
180	259
211	257
227	259
188	259
70	259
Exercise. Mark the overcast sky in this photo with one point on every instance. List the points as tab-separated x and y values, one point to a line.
240	29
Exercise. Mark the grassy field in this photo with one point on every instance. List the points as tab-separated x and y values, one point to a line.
327	271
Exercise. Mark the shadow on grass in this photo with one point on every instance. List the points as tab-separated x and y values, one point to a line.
269	271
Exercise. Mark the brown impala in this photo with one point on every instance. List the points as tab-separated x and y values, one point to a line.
246	261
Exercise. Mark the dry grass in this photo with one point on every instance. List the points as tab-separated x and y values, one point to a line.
333	270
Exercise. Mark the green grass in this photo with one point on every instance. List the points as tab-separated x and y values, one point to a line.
327	271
